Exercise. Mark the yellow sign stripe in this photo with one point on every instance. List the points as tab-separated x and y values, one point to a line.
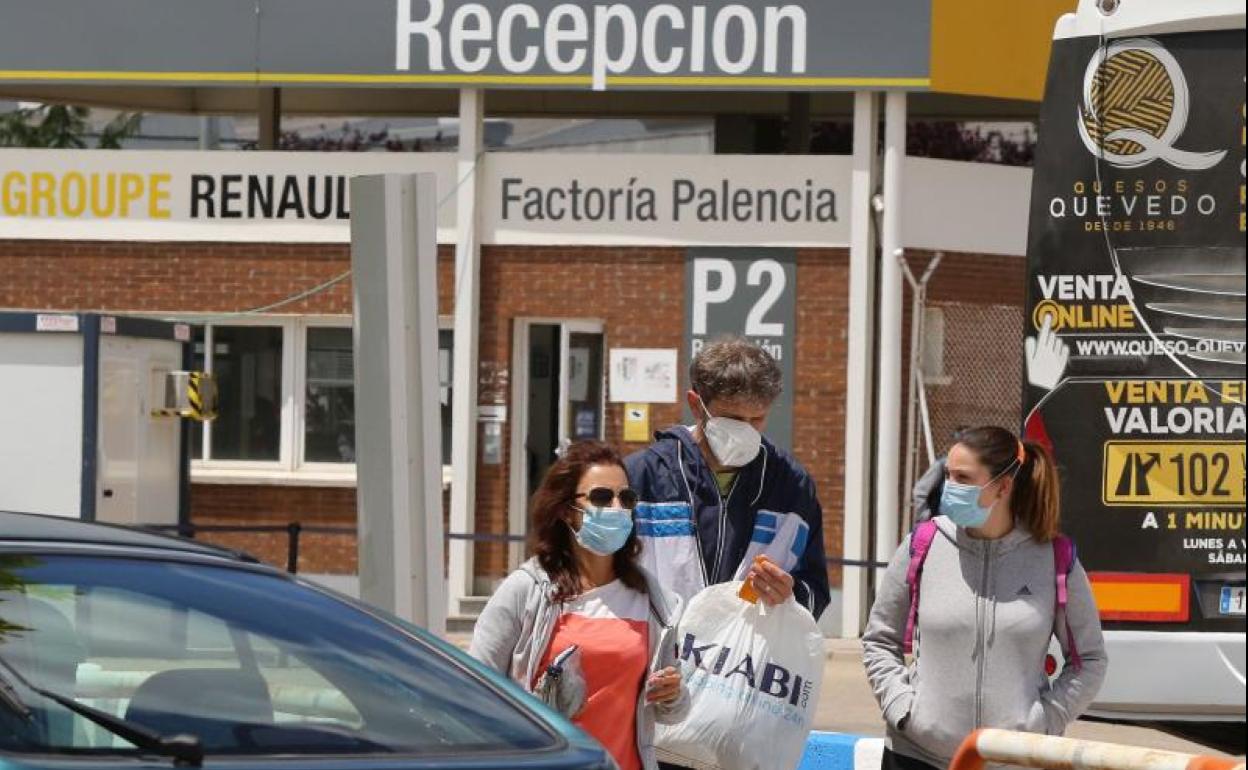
656	80
530	80
158	77
274	78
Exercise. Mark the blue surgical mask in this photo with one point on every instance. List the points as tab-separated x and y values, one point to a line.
604	530
960	502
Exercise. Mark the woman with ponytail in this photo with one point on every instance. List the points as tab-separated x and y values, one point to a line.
998	581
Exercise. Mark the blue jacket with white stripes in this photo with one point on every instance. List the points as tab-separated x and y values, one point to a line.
672	473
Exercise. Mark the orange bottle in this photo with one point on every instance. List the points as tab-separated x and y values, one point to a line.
748	592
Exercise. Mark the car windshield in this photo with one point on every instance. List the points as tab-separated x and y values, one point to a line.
249	662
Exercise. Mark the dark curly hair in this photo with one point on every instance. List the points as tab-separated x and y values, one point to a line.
552	508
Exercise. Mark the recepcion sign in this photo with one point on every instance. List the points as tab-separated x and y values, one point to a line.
630	44
753	293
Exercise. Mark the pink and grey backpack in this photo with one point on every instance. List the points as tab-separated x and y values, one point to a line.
921	543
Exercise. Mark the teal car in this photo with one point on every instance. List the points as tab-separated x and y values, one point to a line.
125	649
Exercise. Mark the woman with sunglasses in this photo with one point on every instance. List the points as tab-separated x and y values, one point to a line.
582	619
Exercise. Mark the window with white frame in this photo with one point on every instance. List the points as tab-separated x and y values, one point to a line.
329	396
286	400
249	363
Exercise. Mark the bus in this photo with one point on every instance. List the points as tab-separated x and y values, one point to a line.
1134	339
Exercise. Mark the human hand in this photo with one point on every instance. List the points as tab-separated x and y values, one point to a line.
773	585
1047	356
663	686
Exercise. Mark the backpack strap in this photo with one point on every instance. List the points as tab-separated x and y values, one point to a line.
920	543
1063	563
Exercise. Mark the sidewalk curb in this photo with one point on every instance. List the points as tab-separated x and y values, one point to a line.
841	751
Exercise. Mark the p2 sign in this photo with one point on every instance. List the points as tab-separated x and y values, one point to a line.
750	292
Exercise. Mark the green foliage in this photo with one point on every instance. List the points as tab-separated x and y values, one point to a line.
62	127
12	582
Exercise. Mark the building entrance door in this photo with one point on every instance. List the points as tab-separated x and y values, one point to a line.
558	394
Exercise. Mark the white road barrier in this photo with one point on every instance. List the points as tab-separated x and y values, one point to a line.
1045	751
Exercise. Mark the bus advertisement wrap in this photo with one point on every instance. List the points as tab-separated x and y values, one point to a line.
1134	340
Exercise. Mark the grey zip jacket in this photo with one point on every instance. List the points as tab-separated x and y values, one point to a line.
986	615
515	627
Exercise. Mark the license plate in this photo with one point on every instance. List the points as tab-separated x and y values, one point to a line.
1232	600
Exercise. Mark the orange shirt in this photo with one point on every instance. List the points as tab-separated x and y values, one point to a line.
611	626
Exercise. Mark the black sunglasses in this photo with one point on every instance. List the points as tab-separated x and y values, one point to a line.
601	497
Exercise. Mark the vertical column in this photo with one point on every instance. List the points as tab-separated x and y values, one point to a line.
398	419
858	414
270	114
209	132
798	141
888	411
467	317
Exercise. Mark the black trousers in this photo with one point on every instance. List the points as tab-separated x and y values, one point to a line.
669	766
894	761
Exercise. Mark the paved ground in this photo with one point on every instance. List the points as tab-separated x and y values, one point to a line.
847	706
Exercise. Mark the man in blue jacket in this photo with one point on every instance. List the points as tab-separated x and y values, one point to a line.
717	494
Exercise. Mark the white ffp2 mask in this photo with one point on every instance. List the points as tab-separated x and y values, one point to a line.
733	442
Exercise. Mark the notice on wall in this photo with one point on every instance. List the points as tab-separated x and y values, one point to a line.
637	423
644	375
751	293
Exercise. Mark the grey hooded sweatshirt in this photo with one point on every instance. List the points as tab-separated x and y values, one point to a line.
514	630
986	615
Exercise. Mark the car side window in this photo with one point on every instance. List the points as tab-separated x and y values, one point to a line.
111	667
248	661
301	695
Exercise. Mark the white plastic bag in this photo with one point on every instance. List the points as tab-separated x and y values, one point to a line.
753	674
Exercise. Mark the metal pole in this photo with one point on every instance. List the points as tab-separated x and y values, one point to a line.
270	114
918	304
467	317
798	142
925	415
292	546
856	546
209	132
888	416
927	428
916	332
398	418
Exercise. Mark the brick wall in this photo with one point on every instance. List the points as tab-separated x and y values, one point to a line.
819	392
977	279
638	293
258	504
